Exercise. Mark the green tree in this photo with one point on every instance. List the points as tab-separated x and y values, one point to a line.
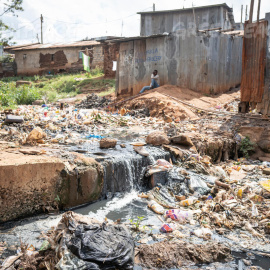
8	6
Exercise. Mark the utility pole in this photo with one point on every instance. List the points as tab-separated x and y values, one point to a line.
41	33
122	28
37	38
154	7
246	16
258	12
251	11
241	15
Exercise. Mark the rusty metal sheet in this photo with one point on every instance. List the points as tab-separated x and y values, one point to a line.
254	61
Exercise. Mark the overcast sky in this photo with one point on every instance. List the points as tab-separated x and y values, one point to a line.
66	20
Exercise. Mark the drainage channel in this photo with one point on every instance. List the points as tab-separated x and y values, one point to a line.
123	180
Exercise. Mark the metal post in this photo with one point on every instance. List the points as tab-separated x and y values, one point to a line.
246	16
154	7
258	12
251	11
41	21
241	15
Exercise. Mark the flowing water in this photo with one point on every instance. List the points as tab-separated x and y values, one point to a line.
123	180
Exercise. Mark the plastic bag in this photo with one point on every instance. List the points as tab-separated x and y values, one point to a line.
71	262
177	214
168	227
108	246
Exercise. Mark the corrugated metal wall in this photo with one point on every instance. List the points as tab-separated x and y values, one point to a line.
206	18
254	61
264	106
208	64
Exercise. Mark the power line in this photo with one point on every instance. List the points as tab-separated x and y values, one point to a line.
97	22
15	30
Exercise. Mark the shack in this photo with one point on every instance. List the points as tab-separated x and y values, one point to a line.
207	62
203	17
32	59
255	85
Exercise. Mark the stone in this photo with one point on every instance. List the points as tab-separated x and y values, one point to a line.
266	171
38	102
157	138
36	134
264	142
159	178
264	159
175	151
182	139
107	143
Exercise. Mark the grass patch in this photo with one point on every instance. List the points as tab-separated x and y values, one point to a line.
52	88
108	92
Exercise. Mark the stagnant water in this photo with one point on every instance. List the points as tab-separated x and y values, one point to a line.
124	172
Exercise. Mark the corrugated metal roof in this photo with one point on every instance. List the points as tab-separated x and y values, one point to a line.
184	9
38	46
137	37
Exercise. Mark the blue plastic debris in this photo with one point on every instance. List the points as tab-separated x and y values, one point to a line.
94	136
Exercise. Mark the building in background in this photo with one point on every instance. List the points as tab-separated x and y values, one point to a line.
33	59
202	18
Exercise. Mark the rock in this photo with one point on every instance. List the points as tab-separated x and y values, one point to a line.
107	143
264	159
123	145
265	145
30	151
159	178
176	152
266	171
38	102
157	138
182	139
37	134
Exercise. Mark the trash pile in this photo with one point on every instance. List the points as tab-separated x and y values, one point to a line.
78	242
94	101
229	202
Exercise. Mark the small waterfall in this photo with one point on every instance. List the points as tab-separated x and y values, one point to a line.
125	173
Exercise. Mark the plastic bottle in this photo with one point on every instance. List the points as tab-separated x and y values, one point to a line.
177	214
189	201
156	207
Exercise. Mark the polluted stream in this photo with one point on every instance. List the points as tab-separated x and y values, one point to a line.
123	180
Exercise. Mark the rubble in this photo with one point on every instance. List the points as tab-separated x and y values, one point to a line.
205	190
157	138
107	143
93	101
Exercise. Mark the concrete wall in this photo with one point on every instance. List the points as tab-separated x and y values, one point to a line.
206	18
39	61
208	64
264	106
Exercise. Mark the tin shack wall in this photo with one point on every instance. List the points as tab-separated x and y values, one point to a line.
206	18
264	106
207	64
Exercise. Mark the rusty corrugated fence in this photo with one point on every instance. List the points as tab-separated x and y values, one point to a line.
254	61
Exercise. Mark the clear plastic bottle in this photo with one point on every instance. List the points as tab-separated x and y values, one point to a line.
191	200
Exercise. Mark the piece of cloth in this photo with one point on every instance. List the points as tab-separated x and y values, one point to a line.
156	78
86	62
114	66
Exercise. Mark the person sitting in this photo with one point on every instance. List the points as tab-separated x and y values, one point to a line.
154	82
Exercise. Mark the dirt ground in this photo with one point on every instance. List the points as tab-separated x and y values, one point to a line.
161	105
166	255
